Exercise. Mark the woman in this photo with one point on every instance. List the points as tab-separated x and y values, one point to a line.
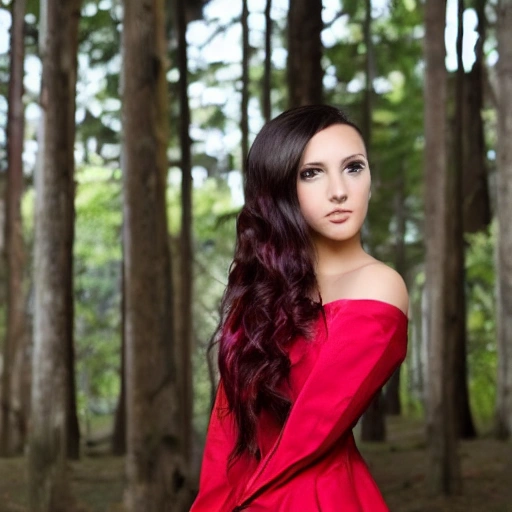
311	328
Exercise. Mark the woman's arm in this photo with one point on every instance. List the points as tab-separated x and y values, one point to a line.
366	342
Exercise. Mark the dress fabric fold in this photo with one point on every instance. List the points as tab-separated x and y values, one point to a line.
312	463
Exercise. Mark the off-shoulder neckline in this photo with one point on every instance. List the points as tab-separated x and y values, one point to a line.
377	302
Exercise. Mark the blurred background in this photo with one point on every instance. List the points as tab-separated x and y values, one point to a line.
124	128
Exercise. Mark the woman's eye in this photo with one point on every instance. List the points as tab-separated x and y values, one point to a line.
307	174
355	167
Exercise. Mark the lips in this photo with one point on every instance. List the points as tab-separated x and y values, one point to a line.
339	213
338	216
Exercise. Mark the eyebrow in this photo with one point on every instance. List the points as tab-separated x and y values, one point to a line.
343	162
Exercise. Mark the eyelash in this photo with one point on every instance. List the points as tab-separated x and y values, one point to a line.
352	168
305	174
355	167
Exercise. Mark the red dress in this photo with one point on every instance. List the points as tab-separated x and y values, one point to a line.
311	464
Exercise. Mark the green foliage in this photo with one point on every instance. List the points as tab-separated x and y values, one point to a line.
482	355
98	259
214	234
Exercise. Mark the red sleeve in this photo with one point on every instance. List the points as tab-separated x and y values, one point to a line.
366	342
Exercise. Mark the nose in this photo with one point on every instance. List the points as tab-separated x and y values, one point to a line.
337	190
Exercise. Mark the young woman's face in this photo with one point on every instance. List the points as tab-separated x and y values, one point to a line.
333	183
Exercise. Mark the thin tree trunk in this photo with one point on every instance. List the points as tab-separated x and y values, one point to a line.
12	409
455	264
504	214
392	391
53	378
369	74
73	433
154	461
373	427
476	201
305	73
186	241
244	121
119	432
267	73
444	469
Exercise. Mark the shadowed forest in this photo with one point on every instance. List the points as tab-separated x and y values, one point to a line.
124	131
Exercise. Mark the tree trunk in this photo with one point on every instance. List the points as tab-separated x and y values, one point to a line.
267	73
12	410
73	433
305	74
369	74
392	391
186	242
504	214
373	426
455	264
476	204
444	469
244	120
154	462
119	431
53	377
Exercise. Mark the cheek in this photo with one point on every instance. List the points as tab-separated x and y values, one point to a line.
303	197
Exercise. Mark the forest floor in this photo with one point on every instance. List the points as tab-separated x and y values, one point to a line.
398	466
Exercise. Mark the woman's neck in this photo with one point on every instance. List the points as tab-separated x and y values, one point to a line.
336	258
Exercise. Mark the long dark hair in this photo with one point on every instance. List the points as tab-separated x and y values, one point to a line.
272	294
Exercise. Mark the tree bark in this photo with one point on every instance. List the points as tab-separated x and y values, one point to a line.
305	74
369	75
392	391
444	469
373	426
53	372
504	214
244	120
154	462
455	264
13	409
119	431
186	336
267	72
476	201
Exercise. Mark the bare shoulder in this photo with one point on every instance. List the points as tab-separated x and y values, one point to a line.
377	281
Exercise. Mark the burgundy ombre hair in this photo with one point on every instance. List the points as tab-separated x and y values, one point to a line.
272	294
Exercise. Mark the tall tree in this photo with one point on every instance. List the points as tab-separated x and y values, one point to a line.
444	469
244	120
373	425
455	265
267	71
476	205
186	332
119	431
154	461
53	370
369	74
305	74
12	408
504	214
392	392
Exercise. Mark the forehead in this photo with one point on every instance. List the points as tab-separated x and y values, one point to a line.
337	140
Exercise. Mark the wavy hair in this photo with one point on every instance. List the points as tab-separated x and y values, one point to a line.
272	295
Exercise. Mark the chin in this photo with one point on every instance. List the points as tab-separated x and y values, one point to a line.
336	239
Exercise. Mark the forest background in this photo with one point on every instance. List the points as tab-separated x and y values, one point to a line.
124	128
